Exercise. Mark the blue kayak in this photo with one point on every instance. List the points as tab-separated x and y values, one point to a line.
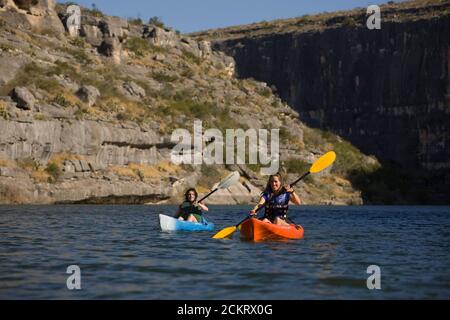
172	224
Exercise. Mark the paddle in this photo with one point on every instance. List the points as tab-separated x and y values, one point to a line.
320	164
228	181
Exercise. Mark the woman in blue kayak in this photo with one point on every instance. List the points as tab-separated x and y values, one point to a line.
190	209
275	198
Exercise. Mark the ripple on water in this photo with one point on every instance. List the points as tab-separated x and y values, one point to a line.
123	254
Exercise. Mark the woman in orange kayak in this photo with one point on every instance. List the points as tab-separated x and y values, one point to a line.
190	209
275	198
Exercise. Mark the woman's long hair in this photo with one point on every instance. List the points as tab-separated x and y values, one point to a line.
187	192
268	188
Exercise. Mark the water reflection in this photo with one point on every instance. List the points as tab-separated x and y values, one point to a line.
123	254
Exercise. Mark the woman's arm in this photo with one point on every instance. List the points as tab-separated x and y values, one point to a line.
202	206
294	196
260	204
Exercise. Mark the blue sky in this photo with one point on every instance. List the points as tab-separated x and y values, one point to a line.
196	15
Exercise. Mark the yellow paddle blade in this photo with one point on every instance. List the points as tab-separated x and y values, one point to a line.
224	233
323	162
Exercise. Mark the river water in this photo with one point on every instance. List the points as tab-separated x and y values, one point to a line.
123	254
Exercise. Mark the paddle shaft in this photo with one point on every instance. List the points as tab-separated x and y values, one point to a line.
291	185
242	221
208	195
296	181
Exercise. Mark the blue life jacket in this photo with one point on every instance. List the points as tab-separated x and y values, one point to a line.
276	205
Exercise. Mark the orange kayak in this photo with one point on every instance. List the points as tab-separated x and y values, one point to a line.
257	230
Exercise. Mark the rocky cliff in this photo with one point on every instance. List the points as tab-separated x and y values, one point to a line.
86	115
386	91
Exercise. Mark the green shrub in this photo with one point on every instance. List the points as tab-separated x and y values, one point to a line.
6	47
348	158
48	84
124	116
156	21
391	184
224	120
285	135
40	117
167	92
187	72
191	57
184	94
61	100
163	77
139	46
265	92
49	32
53	170
135	21
81	56
313	138
349	22
3	112
28	163
158	49
63	68
304	19
32	74
193	108
78	42
23	78
81	111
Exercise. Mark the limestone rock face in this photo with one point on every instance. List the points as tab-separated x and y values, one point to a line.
205	48
238	193
159	36
23	97
59	144
357	92
225	62
88	94
103	143
40	15
133	90
106	33
386	91
111	47
114	27
91	31
10	63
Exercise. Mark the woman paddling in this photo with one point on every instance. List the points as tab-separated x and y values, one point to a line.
275	198
190	209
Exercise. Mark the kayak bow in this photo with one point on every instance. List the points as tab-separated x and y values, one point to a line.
171	224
